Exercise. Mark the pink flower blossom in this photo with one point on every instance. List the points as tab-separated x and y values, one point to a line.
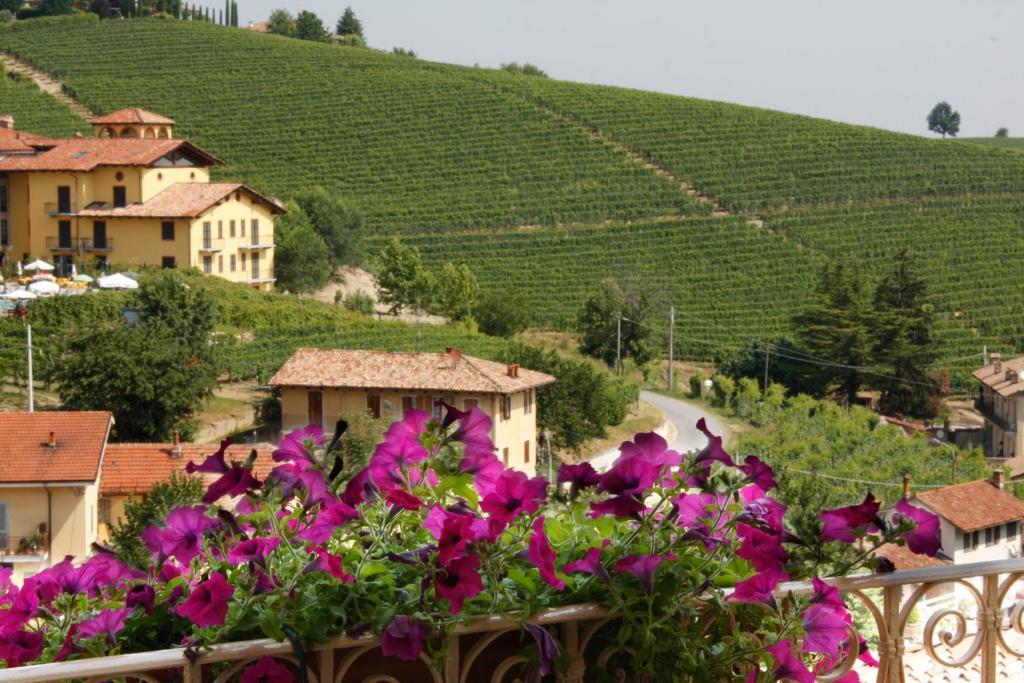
237	481
713	451
182	535
457	532
253	550
925	539
403	499
297	446
141	595
827	594
642	567
19	647
458	581
579	477
824	629
514	494
761	549
474	429
331	564
759	472
485	467
207	604
214	464
618	506
548	651
403	638
630	475
327	520
759	588
845	524
293	476
590	563
788	667
107	624
266	670
543	556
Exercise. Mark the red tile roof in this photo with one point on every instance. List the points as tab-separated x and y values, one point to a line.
400	370
1007	380
904	559
181	200
26	457
132	115
133	468
974	505
85	154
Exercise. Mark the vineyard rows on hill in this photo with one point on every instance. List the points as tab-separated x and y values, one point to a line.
753	159
36	111
415	146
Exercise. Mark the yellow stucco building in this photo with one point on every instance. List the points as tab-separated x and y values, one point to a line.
132	195
317	385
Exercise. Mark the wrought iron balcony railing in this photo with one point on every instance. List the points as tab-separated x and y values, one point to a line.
988	410
981	643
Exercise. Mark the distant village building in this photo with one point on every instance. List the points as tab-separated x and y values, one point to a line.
318	385
1001	402
133	194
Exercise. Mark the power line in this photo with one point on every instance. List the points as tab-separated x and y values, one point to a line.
860	481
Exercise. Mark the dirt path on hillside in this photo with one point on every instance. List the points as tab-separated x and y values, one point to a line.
46	83
351	280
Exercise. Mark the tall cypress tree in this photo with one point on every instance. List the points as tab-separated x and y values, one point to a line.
234	13
901	327
349	24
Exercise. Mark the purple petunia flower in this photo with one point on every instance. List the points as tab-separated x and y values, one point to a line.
327	520
713	451
107	623
485	467
297	445
642	567
238	480
845	524
590	563
826	594
458	581
207	604
758	472
358	488
266	670
618	506
695	507
824	629
19	647
759	588
403	638
474	429
214	464
630	475
926	537
331	564
514	494
141	595
760	509
543	556
253	550
579	477
457	532
182	534
763	550
788	667
401	498
293	476
548	651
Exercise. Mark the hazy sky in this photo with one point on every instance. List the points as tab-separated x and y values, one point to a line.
878	62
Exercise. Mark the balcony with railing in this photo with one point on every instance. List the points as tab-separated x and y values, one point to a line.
34	548
94	246
978	636
256	244
58	245
210	245
60	208
987	409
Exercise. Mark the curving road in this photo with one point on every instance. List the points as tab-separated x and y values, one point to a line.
682	417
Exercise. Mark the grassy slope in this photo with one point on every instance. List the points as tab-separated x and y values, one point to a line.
459	159
1008	143
36	111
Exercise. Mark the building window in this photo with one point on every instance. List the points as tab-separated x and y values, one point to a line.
64	234
408	403
207	235
255	266
988	536
438	402
373	405
120	196
167	231
241	225
315	407
971	540
997	533
3	526
63	199
207	264
506	407
99	234
234	262
526	451
1011	531
528	401
469	403
168	262
103	511
231	228
5	235
255	231
220	230
504	455
220	263
3	198
243	261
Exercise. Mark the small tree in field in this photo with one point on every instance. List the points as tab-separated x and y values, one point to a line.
282	23
1002	133
350	25
309	27
402	280
944	120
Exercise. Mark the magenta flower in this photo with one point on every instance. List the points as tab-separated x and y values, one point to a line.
630	475
846	524
652	447
824	629
579	477
458	581
141	595
619	506
253	550
590	564
825	594
695	507
485	467
293	476
759	588
514	494
19	647
925	539
403	499
182	535
358	487
761	509
266	670
403	638
548	651
642	567
207	604
107	623
457	532
297	446
214	464
23	608
390	462
412	426
543	556
238	480
761	549
474	429
327	520
713	452
758	472
331	564
787	666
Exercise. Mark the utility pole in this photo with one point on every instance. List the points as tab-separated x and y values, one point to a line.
671	347
767	353
28	358
618	345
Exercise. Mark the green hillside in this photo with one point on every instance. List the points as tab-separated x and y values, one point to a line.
546	187
1007	143
36	111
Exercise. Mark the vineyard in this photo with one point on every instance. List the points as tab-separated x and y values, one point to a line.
34	110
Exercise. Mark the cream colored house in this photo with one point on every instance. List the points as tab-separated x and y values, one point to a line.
133	194
1001	402
318	385
49	486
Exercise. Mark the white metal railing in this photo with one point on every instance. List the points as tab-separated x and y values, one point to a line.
488	649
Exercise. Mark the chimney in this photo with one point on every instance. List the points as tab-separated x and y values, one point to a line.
52	441
7	122
906	485
997	361
176	445
998	479
454	354
513	370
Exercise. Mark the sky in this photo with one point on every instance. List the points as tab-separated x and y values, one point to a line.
873	62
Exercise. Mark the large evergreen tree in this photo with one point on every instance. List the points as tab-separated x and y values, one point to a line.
340	226
598	323
282	23
835	329
302	261
349	24
309	27
901	328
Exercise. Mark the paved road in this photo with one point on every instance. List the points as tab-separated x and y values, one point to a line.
683	417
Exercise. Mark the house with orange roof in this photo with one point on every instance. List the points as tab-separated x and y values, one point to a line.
317	385
1000	401
50	465
132	194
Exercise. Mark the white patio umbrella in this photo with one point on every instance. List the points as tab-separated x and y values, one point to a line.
39	264
74	271
44	287
117	281
19	294
42	276
20	271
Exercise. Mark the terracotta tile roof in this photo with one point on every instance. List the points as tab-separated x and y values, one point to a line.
974	505
132	115
25	455
133	468
1003	382
399	370
180	200
85	154
904	559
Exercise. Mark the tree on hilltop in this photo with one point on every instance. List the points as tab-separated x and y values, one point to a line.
943	119
349	24
309	27
1002	132
282	23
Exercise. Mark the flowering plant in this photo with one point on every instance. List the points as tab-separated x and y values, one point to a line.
689	551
